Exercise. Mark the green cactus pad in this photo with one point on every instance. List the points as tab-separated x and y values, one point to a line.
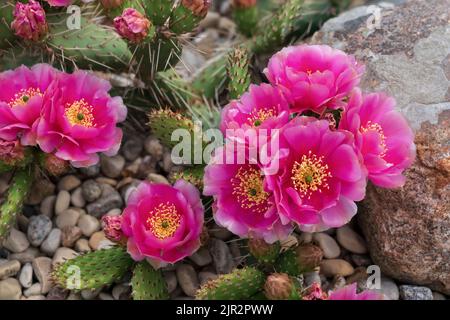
158	11
287	263
183	20
164	122
193	175
280	26
237	285
92	270
246	20
91	47
6	17
12	206
238	72
148	283
212	79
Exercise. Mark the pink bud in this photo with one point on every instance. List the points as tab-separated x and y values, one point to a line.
29	21
132	25
11	152
198	7
59	3
112	226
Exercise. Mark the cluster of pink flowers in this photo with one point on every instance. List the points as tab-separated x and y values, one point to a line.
331	140
71	116
161	223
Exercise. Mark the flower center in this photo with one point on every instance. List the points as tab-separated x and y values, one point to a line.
257	117
310	175
375	127
163	220
248	188
80	113
23	96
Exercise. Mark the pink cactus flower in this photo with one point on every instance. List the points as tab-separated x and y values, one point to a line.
262	106
59	3
29	21
382	135
320	175
21	98
349	293
314	292
132	25
242	203
163	223
79	119
314	77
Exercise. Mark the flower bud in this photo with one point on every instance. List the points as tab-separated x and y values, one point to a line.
59	3
11	152
263	251
198	7
132	25
112	226
29	21
53	165
309	256
111	4
278	286
244	3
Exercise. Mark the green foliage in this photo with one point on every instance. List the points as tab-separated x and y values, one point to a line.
264	253
6	17
192	174
212	79
237	285
12	206
148	283
183	20
93	270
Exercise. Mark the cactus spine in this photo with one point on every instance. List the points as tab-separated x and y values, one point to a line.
239	284
148	283
14	201
93	270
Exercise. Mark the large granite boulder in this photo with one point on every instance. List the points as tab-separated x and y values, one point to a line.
406	49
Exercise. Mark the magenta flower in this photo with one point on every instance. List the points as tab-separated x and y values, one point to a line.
79	119
349	293
382	135
313	77
59	3
262	107
29	21
320	175
21	98
112	226
242	203
132	25
163	223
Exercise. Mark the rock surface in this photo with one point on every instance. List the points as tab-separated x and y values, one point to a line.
406	53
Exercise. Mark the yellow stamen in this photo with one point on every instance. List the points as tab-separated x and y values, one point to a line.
373	126
23	96
163	221
81	113
248	188
256	118
310	175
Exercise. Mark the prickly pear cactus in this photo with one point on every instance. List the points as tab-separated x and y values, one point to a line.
148	283
239	284
192	174
13	205
265	253
93	270
287	263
